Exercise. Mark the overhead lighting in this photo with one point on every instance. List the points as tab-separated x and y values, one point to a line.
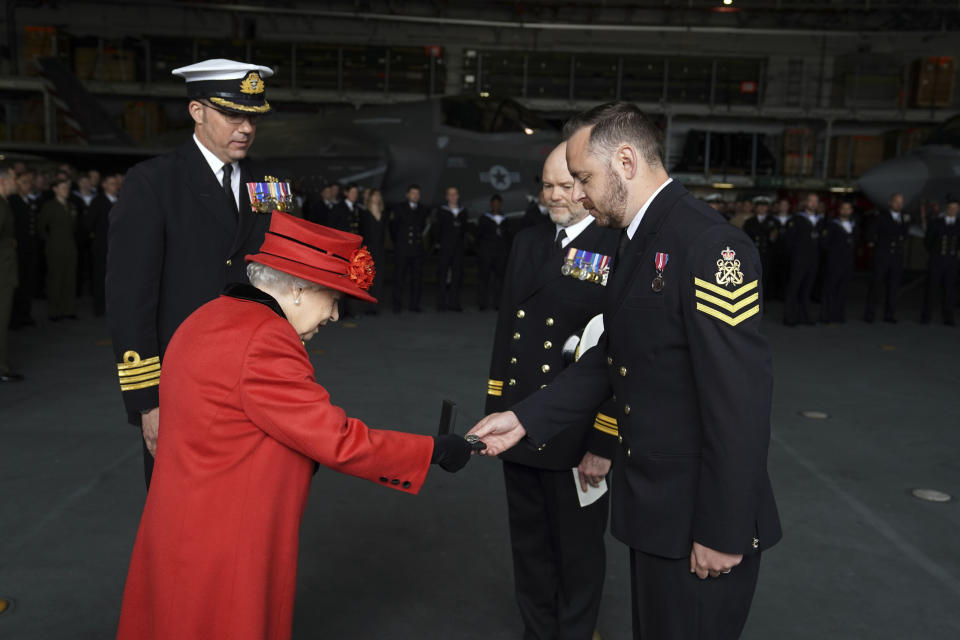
484	94
841	189
528	131
722	185
728	2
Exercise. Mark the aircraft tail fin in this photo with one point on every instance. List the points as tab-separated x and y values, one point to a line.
82	111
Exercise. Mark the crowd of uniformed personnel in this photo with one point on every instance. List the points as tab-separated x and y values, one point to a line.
57	244
60	224
810	254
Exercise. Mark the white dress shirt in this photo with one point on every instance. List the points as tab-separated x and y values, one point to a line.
573	230
635	223
216	165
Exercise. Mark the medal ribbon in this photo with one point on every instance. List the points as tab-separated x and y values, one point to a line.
660	261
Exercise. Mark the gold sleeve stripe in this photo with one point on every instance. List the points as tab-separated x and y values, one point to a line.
732	308
153	375
606	424
140	385
720	291
494	383
729	319
139	371
494	392
495	387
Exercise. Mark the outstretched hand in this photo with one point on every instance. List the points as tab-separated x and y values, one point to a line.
499	431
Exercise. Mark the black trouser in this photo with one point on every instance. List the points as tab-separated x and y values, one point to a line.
887	270
559	560
98	281
799	289
26	288
448	294
943	276
671	603
408	268
489	269
833	299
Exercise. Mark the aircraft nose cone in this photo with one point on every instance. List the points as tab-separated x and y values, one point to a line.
906	175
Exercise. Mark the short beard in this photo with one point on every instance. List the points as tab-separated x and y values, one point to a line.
612	210
570	215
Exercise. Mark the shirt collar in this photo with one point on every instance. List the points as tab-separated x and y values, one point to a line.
216	165
574	230
635	223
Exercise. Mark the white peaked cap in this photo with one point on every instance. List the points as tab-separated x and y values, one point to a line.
220	69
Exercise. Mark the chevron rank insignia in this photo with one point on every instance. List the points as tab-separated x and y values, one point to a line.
730	300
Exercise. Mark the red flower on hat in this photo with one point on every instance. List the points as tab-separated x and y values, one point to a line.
361	269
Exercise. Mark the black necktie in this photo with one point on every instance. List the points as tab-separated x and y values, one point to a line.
228	186
560	238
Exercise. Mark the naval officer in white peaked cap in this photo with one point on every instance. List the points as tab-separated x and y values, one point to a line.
181	228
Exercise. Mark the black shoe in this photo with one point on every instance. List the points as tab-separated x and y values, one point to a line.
71	316
890	319
950	322
415	309
868	318
11	377
456	309
56	318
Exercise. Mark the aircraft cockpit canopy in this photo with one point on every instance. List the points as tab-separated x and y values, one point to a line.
947	133
486	115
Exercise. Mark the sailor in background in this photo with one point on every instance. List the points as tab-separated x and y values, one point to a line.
408	223
887	236
450	223
838	247
180	230
493	248
559	558
942	240
802	243
762	229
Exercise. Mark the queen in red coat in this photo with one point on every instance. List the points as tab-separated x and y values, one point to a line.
243	424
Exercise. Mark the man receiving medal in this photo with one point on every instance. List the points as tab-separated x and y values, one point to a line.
180	230
554	284
692	381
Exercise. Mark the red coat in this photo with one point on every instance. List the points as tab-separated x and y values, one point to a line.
242	422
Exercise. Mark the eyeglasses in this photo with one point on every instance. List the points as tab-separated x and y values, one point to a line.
234	118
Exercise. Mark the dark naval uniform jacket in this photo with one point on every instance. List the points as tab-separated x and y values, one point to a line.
174	243
408	224
539	310
888	238
692	380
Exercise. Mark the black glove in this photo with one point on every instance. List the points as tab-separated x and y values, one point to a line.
451	452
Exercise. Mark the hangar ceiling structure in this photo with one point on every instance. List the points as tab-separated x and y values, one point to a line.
761	67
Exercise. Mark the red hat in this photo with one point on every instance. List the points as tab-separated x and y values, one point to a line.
319	254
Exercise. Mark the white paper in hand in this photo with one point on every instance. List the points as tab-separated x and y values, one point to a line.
592	493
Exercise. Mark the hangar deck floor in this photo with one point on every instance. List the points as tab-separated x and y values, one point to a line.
860	558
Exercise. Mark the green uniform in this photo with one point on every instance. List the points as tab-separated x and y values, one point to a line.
56	224
8	277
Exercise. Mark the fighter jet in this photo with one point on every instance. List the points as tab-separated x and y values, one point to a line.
480	145
929	174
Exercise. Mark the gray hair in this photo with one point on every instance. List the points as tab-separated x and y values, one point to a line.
264	277
616	123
